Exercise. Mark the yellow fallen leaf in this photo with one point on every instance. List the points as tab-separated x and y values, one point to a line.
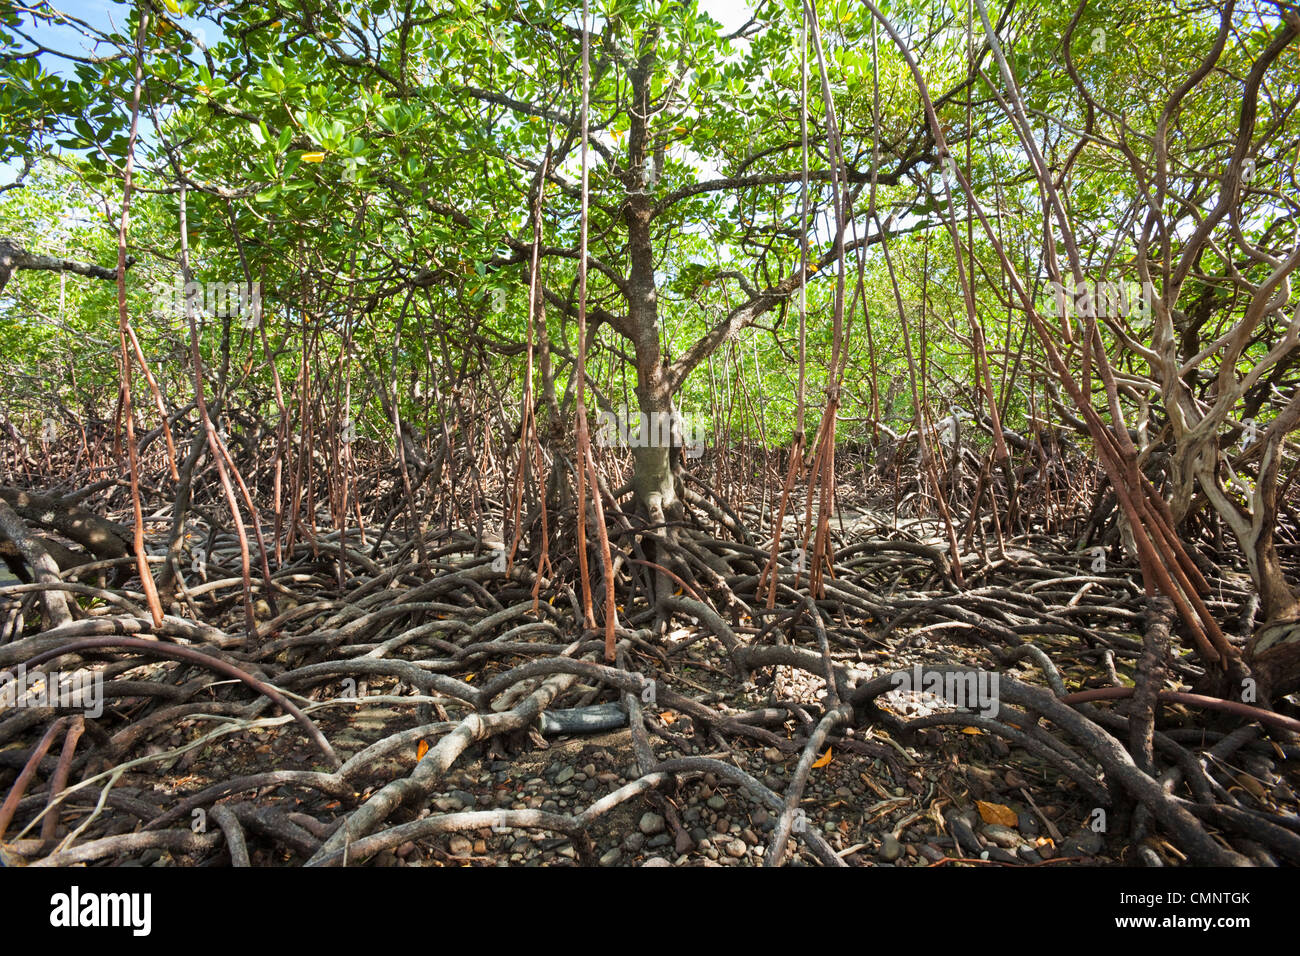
973	731
421	750
824	759
668	717
996	813
313	157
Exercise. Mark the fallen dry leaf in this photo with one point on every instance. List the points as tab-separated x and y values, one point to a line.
996	813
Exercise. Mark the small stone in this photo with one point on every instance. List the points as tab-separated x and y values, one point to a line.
480	847
1028	854
1004	837
737	849
610	857
564	776
716	802
656	861
1027	825
931	852
890	849
1014	780
633	842
772	755
650	824
1082	842
460	846
963	834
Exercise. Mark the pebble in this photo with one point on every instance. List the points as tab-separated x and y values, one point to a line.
963	834
656	861
564	776
1004	837
650	824
1082	842
1028	854
633	842
890	849
460	846
716	802
737	849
